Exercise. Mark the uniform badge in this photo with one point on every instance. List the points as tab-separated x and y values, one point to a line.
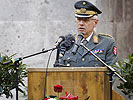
115	50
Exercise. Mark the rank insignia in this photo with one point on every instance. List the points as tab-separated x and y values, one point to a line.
115	50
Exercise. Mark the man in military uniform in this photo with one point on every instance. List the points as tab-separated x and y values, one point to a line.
102	45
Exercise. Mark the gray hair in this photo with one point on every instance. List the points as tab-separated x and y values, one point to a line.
95	17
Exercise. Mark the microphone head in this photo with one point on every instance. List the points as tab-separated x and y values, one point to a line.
77	43
62	37
67	44
58	42
69	41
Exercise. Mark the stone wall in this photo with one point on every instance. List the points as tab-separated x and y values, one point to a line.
117	21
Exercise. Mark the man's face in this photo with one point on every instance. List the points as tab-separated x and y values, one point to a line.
86	25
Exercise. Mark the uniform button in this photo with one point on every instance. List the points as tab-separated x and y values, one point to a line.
68	58
96	59
83	59
96	65
60	55
68	64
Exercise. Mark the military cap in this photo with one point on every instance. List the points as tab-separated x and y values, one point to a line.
85	9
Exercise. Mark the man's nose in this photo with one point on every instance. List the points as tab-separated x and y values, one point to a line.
81	22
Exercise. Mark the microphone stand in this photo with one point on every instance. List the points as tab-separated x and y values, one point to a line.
112	71
57	58
17	65
16	83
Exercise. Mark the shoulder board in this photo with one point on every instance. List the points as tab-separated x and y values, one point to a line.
105	34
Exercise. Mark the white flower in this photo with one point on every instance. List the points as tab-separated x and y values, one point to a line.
52	99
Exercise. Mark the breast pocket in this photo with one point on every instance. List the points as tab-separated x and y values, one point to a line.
69	60
93	61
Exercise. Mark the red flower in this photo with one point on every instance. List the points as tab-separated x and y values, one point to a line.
46	98
69	97
58	88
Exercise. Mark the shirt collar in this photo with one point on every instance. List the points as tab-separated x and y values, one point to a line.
88	39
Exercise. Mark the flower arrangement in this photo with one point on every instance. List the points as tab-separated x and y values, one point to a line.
58	89
69	97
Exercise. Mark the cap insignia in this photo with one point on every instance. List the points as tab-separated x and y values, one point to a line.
83	10
84	3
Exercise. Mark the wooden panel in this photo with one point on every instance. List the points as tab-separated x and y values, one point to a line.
35	85
82	84
78	82
116	96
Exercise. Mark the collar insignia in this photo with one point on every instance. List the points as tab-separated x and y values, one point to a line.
95	39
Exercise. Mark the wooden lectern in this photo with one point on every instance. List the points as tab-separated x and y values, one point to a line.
81	82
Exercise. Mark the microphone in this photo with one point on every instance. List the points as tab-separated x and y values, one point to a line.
66	44
58	42
76	46
12	61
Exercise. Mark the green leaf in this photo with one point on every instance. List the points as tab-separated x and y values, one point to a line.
125	92
119	63
1	89
114	66
131	68
129	57
120	86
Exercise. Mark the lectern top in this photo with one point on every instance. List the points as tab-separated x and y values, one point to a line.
71	69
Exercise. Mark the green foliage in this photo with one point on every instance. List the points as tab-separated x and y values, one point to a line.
125	69
8	76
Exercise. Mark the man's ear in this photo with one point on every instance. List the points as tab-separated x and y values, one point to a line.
96	22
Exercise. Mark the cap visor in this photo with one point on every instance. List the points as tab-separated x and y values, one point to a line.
83	16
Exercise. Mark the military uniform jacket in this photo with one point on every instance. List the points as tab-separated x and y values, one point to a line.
101	45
